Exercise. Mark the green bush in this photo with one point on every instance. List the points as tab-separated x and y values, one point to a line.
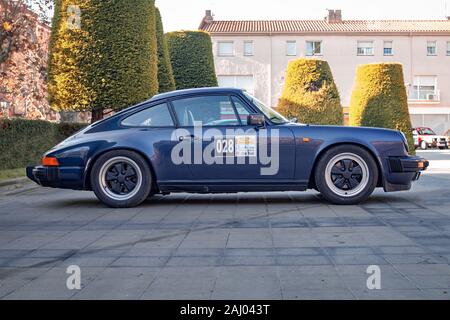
310	94
192	59
165	74
23	142
379	99
108	63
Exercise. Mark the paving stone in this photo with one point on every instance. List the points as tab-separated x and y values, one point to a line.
282	245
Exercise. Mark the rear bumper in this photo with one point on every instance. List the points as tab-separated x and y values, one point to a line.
57	177
402	171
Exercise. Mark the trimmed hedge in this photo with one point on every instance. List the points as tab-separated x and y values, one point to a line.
108	63
23	142
192	59
165	73
310	94
379	99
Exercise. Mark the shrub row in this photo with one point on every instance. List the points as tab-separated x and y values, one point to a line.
22	142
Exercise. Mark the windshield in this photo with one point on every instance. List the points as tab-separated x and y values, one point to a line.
426	132
273	116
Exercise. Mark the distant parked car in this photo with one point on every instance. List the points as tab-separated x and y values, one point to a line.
447	135
425	138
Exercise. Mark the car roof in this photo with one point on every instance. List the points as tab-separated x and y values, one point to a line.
182	92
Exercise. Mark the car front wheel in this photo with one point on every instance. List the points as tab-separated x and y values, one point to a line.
346	174
121	179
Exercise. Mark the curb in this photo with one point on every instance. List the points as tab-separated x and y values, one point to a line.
11	182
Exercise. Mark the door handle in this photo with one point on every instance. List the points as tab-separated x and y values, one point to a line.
188	137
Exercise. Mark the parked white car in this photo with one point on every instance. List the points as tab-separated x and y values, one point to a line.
425	138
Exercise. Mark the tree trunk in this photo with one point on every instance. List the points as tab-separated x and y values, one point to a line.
97	114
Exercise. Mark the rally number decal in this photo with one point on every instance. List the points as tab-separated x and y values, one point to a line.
239	146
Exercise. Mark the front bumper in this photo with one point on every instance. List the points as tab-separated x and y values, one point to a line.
402	171
57	177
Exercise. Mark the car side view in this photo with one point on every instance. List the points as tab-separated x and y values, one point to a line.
214	140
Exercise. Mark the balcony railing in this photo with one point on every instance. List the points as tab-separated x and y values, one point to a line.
424	95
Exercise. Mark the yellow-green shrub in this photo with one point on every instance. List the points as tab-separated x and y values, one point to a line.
310	94
379	99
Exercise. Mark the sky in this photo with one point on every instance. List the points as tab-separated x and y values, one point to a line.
187	14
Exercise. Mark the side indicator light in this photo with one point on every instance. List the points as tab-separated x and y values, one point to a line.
306	139
50	162
420	165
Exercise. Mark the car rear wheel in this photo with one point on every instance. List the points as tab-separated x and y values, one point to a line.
423	145
121	179
346	174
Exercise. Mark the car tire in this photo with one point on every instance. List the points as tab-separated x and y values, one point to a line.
121	179
423	145
346	174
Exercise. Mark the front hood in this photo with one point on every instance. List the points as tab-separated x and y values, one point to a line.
354	129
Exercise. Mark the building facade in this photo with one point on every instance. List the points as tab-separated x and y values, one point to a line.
23	75
254	55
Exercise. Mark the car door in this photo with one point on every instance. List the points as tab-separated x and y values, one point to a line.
222	147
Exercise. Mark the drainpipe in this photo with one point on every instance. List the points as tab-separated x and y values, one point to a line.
270	71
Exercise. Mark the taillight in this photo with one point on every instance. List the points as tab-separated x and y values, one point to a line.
50	162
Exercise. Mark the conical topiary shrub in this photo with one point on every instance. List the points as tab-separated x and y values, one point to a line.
109	61
379	99
310	94
192	59
166	81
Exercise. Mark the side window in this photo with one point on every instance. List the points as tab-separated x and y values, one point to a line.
156	116
209	110
241	110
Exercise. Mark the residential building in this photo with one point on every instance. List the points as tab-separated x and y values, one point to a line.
254	55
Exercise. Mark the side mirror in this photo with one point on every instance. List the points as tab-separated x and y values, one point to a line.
256	120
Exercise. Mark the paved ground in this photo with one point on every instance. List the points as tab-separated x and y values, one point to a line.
270	245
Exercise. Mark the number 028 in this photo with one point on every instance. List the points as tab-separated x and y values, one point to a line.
225	146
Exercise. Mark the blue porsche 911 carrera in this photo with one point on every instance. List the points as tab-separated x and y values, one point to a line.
215	140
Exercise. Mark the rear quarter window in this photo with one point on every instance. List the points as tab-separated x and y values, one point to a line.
155	116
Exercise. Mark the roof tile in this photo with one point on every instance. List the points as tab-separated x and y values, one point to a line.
314	26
